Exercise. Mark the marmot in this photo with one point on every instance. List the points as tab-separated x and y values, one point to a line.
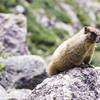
75	51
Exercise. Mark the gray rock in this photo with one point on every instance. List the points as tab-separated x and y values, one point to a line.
18	94
19	9
76	84
13	34
3	93
22	72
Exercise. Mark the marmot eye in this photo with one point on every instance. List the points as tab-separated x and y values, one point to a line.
93	33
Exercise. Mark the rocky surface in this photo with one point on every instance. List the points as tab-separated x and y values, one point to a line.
22	72
3	93
76	84
13	34
18	94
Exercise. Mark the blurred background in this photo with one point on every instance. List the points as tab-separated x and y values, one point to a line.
50	22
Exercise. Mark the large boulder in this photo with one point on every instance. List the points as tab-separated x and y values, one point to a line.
76	84
13	34
22	72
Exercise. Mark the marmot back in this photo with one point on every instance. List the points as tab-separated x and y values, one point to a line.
75	51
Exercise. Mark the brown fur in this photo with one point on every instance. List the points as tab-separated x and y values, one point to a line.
74	52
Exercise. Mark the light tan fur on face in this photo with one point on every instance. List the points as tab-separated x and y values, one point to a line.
73	52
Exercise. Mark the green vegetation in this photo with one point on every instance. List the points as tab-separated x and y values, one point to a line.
4	55
98	18
81	13
43	38
96	58
1	64
45	42
46	4
97	0
60	15
5	4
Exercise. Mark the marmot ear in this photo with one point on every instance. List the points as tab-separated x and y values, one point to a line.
86	29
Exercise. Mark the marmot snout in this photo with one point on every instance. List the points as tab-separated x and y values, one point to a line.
74	51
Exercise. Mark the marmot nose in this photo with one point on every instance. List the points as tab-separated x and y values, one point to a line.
98	39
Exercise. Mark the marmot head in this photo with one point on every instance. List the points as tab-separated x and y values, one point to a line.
93	35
